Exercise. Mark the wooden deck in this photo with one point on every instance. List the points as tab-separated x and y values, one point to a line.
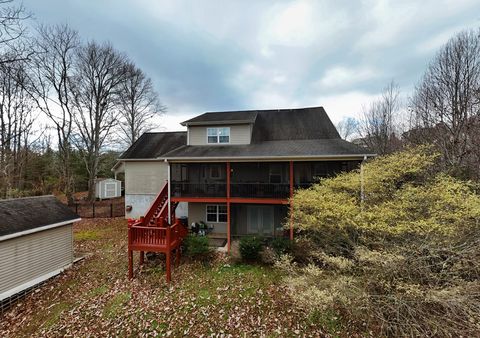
153	233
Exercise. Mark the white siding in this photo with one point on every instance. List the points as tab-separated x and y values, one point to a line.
239	134
26	258
108	188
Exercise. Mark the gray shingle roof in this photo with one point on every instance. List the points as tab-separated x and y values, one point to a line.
276	133
293	124
21	214
152	145
282	148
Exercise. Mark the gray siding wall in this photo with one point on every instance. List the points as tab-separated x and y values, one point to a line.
198	212
145	177
143	181
239	134
25	258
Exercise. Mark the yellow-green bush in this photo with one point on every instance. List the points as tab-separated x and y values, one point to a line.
404	262
402	195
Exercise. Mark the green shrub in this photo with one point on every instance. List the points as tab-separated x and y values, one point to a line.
197	247
250	248
281	245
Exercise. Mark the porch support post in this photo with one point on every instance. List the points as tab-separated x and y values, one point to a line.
169	194
168	254
130	264
291	200
228	207
129	251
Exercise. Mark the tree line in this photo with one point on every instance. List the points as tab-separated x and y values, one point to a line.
93	95
443	110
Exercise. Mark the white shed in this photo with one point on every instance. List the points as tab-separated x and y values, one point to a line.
108	188
36	242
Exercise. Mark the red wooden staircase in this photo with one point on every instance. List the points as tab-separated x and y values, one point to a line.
154	233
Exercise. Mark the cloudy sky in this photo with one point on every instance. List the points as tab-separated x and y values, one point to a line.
235	55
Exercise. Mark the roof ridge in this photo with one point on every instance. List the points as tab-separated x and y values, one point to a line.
260	110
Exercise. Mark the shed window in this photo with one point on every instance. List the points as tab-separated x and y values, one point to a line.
216	213
218	135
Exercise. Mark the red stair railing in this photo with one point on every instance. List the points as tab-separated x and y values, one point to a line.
154	233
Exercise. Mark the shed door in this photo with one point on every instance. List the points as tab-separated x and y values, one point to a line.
110	189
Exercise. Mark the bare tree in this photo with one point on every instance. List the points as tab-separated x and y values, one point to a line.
11	32
16	123
139	104
445	105
378	126
53	69
347	127
100	71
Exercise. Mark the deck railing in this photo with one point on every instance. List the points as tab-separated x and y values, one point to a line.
160	237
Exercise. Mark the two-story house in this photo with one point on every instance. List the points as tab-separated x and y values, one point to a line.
237	170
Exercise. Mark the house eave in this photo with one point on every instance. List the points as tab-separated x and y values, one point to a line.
269	158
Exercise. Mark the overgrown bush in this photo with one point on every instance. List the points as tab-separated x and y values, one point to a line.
197	247
250	248
405	261
281	245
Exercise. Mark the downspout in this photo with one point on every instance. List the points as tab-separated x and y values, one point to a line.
169	191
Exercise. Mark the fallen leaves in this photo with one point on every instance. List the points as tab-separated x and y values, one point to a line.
95	298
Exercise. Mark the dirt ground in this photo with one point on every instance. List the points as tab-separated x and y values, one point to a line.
95	298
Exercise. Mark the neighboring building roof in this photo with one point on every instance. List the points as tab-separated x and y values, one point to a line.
321	148
20	215
97	180
230	117
153	145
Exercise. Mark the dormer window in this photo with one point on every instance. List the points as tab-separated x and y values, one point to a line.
218	135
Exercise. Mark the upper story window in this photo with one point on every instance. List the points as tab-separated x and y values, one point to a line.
218	135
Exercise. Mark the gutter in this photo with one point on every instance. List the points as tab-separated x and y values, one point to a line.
267	158
42	228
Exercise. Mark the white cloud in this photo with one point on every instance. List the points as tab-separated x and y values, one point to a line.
348	104
302	23
341	77
434	43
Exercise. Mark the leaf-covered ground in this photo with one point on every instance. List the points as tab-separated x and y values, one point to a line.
95	298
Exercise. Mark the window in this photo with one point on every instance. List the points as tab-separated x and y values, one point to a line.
218	135
216	213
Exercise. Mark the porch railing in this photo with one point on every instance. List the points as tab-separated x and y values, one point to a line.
260	190
187	189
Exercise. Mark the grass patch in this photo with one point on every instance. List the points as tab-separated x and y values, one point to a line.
54	314
87	235
100	290
113	307
328	320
